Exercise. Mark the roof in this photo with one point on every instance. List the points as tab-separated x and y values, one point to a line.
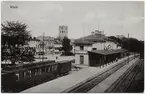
107	52
81	42
57	42
46	38
92	38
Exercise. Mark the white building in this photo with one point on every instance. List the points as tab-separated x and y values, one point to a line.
48	44
57	47
73	45
96	41
81	52
34	43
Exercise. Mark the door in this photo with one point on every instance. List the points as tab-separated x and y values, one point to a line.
81	59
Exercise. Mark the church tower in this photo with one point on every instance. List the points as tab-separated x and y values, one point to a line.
63	31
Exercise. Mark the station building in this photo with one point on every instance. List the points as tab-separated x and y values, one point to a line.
94	49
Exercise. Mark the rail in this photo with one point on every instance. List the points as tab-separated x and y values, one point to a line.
122	83
86	86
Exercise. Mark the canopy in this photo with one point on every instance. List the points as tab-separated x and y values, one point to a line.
108	52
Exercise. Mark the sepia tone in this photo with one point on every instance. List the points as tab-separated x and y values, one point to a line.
72	47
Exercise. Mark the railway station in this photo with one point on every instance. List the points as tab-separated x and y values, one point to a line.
102	57
72	47
79	81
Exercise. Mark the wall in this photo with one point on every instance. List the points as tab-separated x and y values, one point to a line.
63	31
84	53
99	46
77	59
86	48
112	45
34	44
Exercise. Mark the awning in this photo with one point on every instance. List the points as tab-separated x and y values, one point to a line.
108	52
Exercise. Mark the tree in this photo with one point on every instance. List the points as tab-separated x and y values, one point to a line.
115	39
141	49
66	45
131	44
14	35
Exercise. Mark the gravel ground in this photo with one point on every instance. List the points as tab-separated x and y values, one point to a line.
137	86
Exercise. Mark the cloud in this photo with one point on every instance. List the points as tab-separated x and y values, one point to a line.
134	19
89	16
93	16
37	11
52	7
40	7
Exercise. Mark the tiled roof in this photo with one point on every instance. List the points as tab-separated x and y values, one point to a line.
107	52
95	37
92	38
82	42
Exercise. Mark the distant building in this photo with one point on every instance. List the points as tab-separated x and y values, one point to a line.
63	32
48	44
73	45
34	43
96	41
57	47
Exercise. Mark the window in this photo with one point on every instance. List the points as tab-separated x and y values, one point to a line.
17	75
94	48
81	47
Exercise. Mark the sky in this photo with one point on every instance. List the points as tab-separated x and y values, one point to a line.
81	17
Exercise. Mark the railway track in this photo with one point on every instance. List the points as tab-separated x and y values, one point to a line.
122	83
85	87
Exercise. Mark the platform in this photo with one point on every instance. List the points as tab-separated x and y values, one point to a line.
67	82
105	84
